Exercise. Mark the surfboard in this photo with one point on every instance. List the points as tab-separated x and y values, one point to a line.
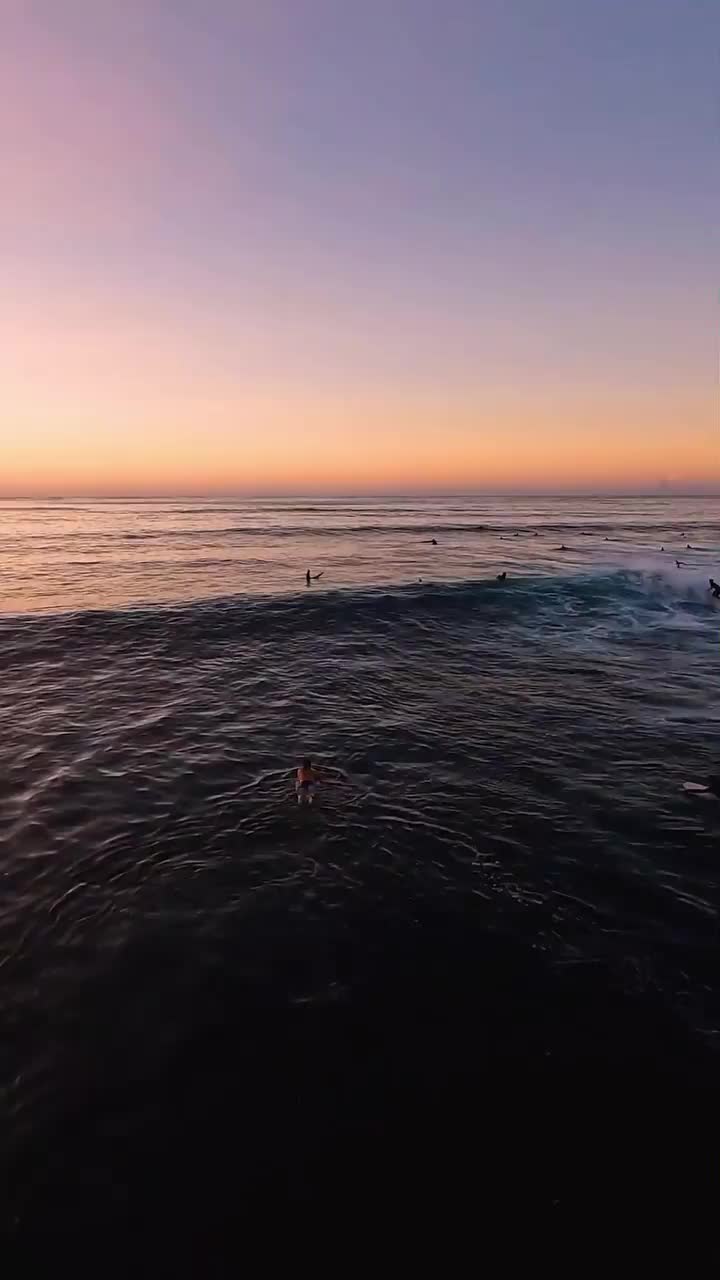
697	788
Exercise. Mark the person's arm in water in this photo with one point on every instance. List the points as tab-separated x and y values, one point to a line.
330	772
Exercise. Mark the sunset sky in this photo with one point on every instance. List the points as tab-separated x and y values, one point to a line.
345	245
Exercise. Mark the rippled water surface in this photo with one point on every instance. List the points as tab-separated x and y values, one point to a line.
512	822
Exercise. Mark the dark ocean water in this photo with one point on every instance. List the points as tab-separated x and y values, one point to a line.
454	973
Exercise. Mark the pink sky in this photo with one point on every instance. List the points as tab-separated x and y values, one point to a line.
257	247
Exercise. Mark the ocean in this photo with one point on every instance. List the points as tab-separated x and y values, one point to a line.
493	937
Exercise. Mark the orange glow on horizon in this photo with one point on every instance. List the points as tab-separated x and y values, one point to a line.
264	446
216	280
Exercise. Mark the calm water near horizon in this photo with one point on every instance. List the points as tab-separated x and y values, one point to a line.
74	554
511	877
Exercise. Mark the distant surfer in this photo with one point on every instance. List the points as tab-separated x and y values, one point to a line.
688	548
677	564
307	777
312	577
502	577
430	542
715	588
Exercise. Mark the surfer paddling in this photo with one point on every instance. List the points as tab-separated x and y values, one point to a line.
308	775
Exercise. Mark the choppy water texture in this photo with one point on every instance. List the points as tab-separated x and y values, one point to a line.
511	885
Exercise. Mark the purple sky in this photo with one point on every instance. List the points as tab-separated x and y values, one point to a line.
479	227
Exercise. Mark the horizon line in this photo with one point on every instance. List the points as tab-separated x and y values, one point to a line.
254	496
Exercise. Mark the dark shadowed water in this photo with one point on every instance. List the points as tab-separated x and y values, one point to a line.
502	923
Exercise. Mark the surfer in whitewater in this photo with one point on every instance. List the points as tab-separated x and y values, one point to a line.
715	589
